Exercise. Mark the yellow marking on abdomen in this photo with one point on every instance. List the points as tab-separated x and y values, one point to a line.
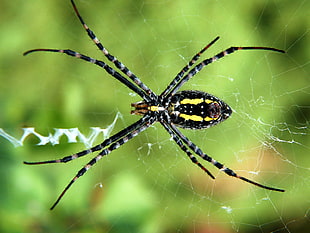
208	101
191	117
191	101
210	118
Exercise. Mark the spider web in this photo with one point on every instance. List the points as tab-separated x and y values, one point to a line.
149	185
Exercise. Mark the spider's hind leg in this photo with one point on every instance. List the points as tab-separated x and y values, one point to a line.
180	75
217	164
184	148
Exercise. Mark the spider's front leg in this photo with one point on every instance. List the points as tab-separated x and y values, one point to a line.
107	147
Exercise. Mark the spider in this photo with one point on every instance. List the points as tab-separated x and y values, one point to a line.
188	109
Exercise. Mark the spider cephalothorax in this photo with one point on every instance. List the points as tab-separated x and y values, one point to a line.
185	109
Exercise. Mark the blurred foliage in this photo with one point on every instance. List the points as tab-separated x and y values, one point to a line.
149	185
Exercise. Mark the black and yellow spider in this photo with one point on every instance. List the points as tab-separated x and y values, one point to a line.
188	109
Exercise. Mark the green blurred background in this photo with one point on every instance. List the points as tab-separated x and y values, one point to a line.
149	185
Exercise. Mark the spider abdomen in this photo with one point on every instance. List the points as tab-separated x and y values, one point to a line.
197	110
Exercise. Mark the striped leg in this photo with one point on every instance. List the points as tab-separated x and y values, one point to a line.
179	142
147	123
113	59
103	65
202	64
186	68
98	147
220	166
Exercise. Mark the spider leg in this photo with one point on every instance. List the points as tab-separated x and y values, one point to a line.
147	122
186	68
205	62
103	65
113	59
98	147
220	166
179	142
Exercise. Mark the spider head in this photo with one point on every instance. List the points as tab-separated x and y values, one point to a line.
141	108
